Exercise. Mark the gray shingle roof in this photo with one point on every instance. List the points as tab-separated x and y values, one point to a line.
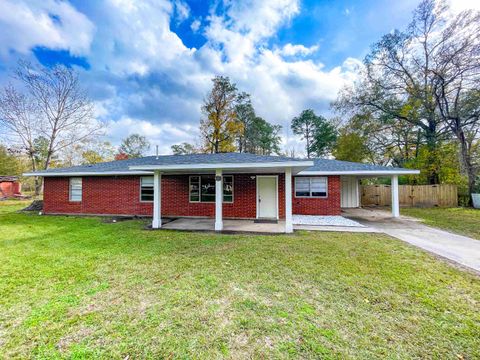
337	165
123	166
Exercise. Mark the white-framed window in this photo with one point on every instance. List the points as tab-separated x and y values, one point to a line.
311	187
202	188
75	189
146	189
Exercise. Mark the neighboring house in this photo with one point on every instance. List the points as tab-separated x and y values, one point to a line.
9	186
225	185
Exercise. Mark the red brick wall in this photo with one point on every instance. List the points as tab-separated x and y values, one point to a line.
319	206
175	201
121	195
100	195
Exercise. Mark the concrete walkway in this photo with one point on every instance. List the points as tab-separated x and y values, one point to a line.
460	249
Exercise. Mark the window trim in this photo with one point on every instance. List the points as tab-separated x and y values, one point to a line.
310	187
70	189
200	190
140	192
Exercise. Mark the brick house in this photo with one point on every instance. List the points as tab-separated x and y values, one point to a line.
217	186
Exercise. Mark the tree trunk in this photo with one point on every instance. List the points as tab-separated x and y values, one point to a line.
467	161
432	146
36	179
307	137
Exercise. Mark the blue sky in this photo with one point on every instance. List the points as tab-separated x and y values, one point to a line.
147	64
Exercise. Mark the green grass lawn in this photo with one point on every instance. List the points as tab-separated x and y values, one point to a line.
82	288
463	221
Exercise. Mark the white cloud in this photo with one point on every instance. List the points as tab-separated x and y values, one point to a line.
182	10
460	5
195	25
245	25
155	133
52	24
145	80
236	47
292	50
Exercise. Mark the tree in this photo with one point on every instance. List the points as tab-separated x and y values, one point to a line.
245	116
20	116
456	79
97	152
50	105
324	137
219	126
66	111
90	157
317	132
419	77
184	149
9	163
262	137
305	125
134	146
350	146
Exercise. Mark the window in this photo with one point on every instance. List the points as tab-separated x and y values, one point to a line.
311	187
146	188
194	188
228	188
75	190
202	188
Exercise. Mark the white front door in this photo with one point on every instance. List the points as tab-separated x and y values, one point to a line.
267	197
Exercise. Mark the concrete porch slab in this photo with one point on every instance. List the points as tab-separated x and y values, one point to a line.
360	229
205	224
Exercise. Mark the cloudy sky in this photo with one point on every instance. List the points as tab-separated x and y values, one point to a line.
148	64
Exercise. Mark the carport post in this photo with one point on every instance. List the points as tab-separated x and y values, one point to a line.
157	200
395	199
218	200
288	200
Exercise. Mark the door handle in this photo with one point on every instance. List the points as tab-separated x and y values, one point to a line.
259	200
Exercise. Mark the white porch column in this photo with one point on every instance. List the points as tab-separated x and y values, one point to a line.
218	200
157	200
395	198
288	200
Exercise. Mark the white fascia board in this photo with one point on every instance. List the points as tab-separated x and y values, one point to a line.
362	172
292	164
86	173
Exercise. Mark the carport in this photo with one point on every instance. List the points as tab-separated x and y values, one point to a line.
350	175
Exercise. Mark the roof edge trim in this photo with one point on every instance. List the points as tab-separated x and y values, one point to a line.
361	172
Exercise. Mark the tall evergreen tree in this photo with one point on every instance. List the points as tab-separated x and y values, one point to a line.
318	133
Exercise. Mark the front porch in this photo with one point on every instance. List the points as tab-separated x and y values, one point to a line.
229	225
300	222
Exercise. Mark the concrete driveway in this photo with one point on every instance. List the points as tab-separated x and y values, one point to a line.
460	249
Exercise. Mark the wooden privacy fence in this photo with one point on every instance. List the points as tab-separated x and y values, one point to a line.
411	195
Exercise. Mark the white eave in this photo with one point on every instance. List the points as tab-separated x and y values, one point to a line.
88	173
362	172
